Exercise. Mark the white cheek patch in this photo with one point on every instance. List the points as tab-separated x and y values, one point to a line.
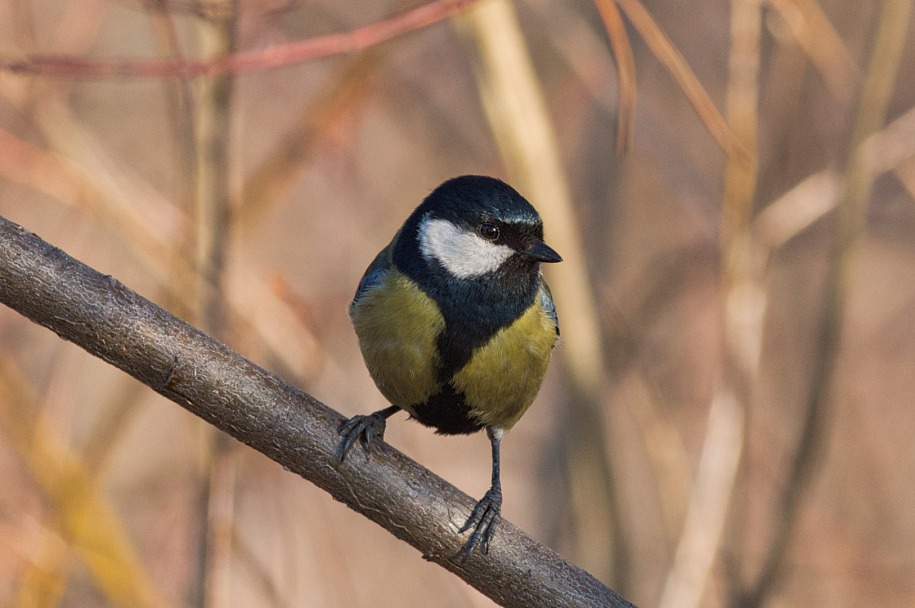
463	253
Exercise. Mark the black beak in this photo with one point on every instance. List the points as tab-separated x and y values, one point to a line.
541	252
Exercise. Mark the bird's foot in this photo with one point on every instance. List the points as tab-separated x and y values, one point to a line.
483	520
367	428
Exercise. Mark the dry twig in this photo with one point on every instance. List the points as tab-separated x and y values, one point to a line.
271	58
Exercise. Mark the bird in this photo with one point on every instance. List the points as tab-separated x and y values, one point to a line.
456	324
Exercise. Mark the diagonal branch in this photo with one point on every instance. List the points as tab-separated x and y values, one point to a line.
110	321
357	39
664	50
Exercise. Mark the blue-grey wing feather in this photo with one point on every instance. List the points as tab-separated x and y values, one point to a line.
375	273
548	305
371	280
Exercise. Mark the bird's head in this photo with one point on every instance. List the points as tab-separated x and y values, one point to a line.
473	226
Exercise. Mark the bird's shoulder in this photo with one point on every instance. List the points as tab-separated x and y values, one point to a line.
546	300
377	271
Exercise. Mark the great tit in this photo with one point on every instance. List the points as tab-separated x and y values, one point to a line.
456	324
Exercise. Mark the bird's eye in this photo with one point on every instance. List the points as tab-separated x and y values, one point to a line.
488	232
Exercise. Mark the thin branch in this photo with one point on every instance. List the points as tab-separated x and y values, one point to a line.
625	71
708	505
270	58
744	298
662	48
810	27
101	315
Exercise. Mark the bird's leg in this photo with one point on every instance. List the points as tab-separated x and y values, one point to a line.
485	515
368	428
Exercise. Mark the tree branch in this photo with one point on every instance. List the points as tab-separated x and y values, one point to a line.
110	321
271	58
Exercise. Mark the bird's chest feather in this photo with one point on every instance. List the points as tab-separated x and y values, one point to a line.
455	376
398	326
503	376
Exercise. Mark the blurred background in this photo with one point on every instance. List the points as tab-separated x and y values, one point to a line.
728	419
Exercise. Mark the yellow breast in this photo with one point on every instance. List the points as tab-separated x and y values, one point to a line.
397	325
503	376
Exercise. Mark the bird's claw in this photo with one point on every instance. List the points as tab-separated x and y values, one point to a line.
483	520
368	428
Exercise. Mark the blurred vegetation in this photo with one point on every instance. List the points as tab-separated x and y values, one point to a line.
728	419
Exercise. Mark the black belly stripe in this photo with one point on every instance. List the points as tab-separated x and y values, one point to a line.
474	310
448	413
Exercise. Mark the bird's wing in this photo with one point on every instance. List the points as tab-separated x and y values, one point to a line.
370	280
375	273
548	305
